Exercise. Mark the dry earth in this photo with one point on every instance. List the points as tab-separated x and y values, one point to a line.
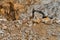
18	23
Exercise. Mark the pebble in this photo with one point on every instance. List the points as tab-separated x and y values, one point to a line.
47	20
46	1
58	21
4	27
1	31
36	20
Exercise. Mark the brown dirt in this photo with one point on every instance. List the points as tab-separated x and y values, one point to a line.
24	30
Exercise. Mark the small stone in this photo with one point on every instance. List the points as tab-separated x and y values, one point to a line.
30	23
24	21
47	20
36	20
1	31
58	21
45	1
3	20
4	27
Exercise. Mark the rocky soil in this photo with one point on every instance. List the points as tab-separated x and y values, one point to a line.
23	20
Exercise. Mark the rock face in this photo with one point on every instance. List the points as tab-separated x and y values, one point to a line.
23	20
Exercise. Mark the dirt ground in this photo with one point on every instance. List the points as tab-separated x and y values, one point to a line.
17	21
17	31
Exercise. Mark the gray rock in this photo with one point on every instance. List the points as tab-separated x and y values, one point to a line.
1	31
46	1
